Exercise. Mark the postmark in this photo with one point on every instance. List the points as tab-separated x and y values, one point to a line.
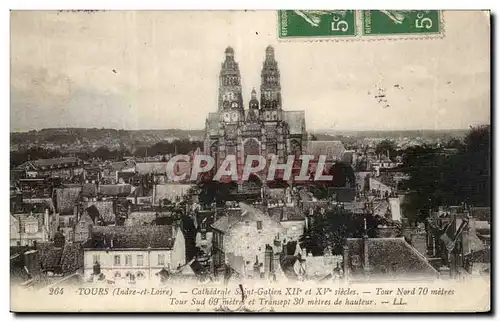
401	22
316	24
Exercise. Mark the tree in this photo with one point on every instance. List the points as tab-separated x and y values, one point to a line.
330	230
386	147
440	178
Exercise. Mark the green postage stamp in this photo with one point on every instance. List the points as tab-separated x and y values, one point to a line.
401	22
363	24
317	23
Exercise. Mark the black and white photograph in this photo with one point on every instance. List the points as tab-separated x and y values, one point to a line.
250	161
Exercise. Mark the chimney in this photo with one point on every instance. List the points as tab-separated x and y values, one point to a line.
345	260
276	262
306	222
111	242
268	260
46	222
89	229
76	213
174	231
97	268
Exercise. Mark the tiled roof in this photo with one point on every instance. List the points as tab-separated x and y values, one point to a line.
319	266
170	191
118	166
389	255
50	256
347	157
66	198
105	209
481	213
89	190
40	163
480	256
246	213
332	149
71	257
115	190
222	224
140	218
286	214
151	167
122	237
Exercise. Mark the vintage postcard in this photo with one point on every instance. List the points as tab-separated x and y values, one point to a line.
250	161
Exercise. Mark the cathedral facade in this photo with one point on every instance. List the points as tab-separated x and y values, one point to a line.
264	128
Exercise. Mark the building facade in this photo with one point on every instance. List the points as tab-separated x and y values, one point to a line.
262	129
130	254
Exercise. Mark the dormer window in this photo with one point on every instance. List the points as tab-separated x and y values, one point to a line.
259	225
31	227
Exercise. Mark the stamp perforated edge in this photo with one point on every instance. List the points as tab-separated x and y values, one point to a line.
359	34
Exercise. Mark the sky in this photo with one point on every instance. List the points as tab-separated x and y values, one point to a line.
159	70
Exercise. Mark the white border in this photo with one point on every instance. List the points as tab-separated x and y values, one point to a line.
199	4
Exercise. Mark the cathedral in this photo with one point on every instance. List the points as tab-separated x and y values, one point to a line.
263	128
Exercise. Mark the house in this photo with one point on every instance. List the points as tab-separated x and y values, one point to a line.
133	253
114	190
60	259
204	219
102	209
25	267
170	191
333	150
379	188
239	240
109	173
82	228
28	229
292	219
65	168
141	218
384	258
66	198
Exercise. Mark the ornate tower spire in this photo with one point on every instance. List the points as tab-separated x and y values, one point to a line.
254	102
230	84
270	89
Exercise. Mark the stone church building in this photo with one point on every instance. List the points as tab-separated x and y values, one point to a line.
264	127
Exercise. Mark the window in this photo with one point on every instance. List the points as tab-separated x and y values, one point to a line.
117	260
161	259
140	260
247	223
140	276
31	227
294	228
203	236
259	225
118	275
96	259
128	260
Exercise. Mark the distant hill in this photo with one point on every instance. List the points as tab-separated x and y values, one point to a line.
394	134
91	138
